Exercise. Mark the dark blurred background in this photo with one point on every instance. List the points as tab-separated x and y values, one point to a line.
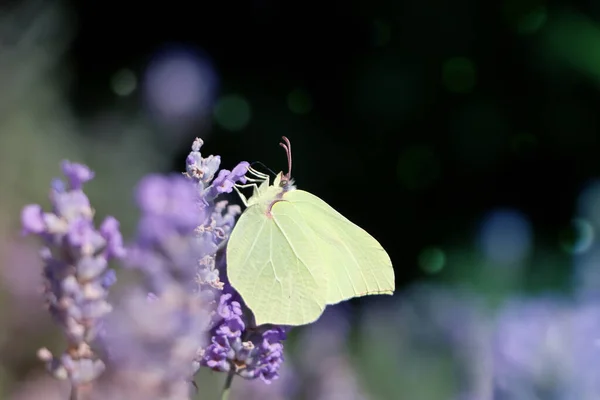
463	135
413	118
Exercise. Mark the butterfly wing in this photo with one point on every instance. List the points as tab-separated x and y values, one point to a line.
273	262
356	264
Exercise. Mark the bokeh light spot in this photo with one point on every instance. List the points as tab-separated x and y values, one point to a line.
180	83
299	101
124	82
588	203
526	16
505	237
533	21
232	112
578	237
382	33
418	167
459	75
432	260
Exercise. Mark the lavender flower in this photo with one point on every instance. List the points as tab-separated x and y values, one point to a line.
182	317
152	342
76	272
154	338
249	353
166	247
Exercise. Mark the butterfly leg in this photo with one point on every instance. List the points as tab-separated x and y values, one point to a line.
258	174
237	188
255	180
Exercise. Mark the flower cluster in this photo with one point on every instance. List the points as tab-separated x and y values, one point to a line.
76	272
251	354
183	316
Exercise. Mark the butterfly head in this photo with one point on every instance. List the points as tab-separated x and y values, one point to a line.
283	182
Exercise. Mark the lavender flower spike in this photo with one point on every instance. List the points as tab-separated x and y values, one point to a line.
76	272
153	340
235	348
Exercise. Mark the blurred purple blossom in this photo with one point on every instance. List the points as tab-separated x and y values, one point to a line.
326	370
180	83
181	229
152	342
76	272
166	247
153	339
182	316
548	347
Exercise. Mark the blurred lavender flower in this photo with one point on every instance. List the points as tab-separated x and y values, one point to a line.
153	339
548	348
166	247
584	336
528	353
324	363
76	272
152	342
183	316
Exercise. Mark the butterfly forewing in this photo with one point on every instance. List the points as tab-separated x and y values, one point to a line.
356	263
273	262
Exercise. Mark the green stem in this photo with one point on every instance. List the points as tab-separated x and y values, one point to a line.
227	386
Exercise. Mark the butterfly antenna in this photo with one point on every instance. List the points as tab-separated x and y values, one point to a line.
288	150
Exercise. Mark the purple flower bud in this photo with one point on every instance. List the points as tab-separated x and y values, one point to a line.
225	180
32	219
114	240
222	183
200	169
77	174
239	172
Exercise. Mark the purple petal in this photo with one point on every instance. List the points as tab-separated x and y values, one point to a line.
77	174
32	219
